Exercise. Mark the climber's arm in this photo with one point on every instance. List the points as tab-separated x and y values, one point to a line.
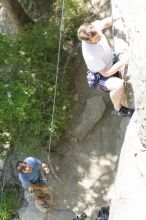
107	22
115	68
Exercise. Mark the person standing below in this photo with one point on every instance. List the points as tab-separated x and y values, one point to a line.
98	57
30	177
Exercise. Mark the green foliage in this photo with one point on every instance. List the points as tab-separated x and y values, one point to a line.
27	84
75	13
27	78
28	4
7	205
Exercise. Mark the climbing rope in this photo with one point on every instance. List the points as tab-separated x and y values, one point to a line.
48	198
56	80
55	91
111	8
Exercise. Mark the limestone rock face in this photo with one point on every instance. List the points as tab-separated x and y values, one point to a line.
5	23
92	113
129	195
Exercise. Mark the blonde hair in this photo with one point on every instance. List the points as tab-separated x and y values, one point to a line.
86	31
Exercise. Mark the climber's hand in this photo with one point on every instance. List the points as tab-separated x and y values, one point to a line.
30	189
46	170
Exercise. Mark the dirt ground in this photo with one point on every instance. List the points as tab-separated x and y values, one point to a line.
87	167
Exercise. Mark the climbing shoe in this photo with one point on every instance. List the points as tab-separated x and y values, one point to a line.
82	217
125	112
103	213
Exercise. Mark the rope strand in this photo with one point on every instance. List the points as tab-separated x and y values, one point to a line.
56	80
113	29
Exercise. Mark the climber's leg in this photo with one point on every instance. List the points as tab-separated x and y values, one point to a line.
116	87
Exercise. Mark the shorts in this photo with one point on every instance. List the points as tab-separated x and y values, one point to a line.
98	81
102	81
101	84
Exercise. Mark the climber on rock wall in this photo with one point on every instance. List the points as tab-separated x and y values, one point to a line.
98	57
